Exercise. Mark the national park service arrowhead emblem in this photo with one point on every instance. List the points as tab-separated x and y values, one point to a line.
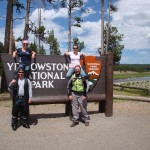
92	67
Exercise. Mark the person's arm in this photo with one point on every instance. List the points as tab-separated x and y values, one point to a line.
69	87
82	54
30	91
33	54
85	87
14	54
11	85
67	53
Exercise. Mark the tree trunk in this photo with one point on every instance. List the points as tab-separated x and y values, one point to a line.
69	26
26	29
102	26
11	37
108	26
39	21
9	18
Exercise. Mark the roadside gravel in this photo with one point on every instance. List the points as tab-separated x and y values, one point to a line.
127	129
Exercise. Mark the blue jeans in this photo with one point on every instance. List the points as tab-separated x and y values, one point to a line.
71	71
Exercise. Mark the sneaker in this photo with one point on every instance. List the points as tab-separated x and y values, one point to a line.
86	123
74	124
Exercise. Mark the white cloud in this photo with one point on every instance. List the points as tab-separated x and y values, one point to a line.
47	21
90	12
132	20
90	33
52	14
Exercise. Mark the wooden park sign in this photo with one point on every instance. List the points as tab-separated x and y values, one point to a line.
49	79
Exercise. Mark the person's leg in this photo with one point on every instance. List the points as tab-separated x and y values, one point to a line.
75	110
83	72
14	120
28	72
24	115
70	72
83	107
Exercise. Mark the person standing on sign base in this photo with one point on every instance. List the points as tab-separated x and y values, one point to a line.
75	57
21	96
77	93
25	55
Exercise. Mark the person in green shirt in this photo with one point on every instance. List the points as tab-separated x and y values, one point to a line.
77	93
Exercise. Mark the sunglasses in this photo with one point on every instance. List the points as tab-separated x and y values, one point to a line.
75	48
20	72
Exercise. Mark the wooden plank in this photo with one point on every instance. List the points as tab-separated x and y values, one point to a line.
64	99
109	85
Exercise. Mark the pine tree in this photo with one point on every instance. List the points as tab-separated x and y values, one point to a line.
42	50
53	44
34	47
114	43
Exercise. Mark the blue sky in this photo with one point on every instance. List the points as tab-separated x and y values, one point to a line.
131	19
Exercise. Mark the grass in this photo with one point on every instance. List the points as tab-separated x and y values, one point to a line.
130	92
125	75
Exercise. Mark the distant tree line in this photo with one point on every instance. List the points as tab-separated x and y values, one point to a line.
132	67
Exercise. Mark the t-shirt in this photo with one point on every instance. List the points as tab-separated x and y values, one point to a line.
75	59
24	56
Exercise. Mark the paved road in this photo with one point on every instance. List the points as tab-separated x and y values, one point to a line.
128	129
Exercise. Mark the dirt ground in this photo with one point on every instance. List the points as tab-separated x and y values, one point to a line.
127	129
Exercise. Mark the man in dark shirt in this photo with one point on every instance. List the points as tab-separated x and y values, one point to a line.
22	96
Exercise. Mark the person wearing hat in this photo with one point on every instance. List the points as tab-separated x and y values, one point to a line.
25	55
77	93
21	97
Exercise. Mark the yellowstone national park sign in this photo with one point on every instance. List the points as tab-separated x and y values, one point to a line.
49	73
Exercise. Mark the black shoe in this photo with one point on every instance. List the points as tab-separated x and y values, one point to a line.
86	123
26	126
74	124
14	127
